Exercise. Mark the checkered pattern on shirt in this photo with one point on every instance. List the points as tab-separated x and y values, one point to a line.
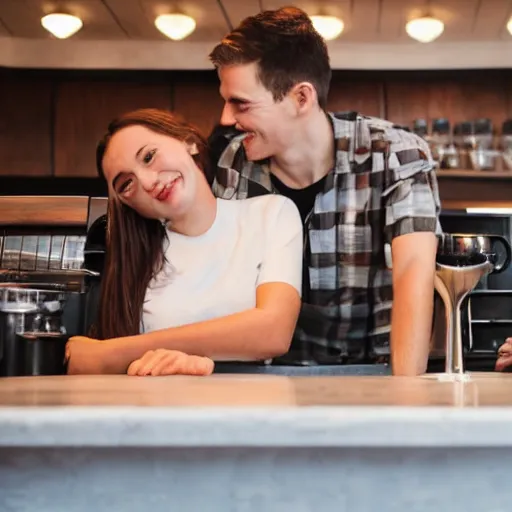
383	185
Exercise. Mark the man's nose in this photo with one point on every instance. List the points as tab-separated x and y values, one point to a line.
227	118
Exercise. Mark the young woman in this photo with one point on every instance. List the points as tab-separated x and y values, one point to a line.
188	278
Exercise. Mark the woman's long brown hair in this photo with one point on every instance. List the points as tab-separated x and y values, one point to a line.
135	244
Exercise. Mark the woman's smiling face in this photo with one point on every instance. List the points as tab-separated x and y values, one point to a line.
152	173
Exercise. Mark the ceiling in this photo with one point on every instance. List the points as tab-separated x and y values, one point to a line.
371	26
365	20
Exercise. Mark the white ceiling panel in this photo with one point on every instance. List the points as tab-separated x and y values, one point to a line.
491	19
211	25
132	18
238	10
99	23
459	18
366	21
392	20
22	18
4	32
341	8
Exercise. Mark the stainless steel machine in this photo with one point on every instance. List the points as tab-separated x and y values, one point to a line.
49	274
462	260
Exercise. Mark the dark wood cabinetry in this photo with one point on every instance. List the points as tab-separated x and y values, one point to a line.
457	97
51	121
83	110
26	127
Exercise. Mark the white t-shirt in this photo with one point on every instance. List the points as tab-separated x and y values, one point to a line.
251	242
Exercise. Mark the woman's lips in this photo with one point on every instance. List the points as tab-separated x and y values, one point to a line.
166	191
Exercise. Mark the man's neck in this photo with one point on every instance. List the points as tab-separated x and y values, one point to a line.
310	157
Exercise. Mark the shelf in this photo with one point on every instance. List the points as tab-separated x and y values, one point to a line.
485	292
501	321
468	173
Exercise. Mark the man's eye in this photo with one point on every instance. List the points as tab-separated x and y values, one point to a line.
149	156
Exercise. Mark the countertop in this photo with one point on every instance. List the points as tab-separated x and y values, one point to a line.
254	410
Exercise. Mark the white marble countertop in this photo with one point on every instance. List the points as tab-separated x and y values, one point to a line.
242	410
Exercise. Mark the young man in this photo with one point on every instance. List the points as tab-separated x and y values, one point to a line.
362	186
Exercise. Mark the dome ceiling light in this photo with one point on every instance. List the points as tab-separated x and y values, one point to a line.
61	25
329	27
175	26
425	29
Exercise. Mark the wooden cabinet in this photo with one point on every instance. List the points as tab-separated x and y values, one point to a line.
468	97
82	112
364	97
25	127
51	122
199	103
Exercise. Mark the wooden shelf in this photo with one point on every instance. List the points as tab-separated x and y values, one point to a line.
468	173
463	204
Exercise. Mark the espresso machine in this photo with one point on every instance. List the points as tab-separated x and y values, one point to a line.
49	278
462	260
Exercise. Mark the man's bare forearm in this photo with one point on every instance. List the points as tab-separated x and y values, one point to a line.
411	321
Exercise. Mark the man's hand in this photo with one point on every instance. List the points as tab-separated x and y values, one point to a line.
86	356
170	362
504	356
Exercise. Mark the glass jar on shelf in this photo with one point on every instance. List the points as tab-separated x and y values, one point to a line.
506	144
443	148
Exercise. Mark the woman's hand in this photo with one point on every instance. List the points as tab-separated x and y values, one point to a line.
170	362
504	356
86	356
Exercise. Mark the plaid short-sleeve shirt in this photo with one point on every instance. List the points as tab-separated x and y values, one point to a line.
383	185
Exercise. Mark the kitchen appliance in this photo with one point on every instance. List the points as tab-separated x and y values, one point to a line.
47	271
32	333
487	310
461	261
455	277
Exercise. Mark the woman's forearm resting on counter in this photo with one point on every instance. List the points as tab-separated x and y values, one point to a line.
255	334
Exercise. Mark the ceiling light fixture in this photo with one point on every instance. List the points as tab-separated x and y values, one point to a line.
61	25
509	25
425	29
175	26
329	27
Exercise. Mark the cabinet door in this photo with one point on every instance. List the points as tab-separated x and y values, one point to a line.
83	111
200	103
25	127
457	98
364	97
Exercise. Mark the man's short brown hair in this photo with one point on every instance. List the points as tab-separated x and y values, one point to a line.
286	47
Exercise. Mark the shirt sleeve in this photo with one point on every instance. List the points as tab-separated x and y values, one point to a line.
411	195
282	260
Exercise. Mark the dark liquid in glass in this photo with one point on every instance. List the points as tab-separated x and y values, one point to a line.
461	260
